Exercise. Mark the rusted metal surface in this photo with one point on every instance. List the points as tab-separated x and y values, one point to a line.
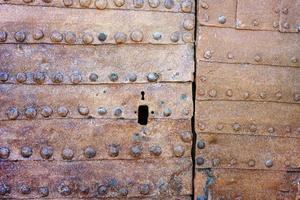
79	26
248	152
132	64
241	46
106	101
99	139
246	184
252	118
98	179
221	81
186	6
290	16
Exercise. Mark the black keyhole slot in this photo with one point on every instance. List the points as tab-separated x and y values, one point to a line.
143	95
143	114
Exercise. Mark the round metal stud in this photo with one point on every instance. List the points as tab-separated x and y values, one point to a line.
294	59
4	152
68	3
145	189
37	34
70	37
102	111
271	130
297	97
246	95
154	3
186	6
169	4
3	36
47	152
229	93
4	76
83	110
21	77
263	95
43	191
102	37
257	58
62	111
200	144
46	111
155	150
253	128
138	3
255	23
219	126
85	3
222	19
251	163
212	93
26	151
67	154
113	150
56	36
269	163
152	77
20	36
187	37
113	77
58	78
236	127
39	77
137	36
230	55
76	78
102	190
93	77
207	54
64	190
12	113
132	77
157	35
30	112
119	3
200	161
167	112
202	126
120	37
24	189
101	4
175	36
89	152
278	95
4	189
123	192
204	5
186	136
188	24
136	151
118	112
87	38
178	150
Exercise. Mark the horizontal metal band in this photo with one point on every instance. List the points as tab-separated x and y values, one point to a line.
99	139
254	118
220	81
247	152
116	178
78	26
246	184
254	47
95	64
103	101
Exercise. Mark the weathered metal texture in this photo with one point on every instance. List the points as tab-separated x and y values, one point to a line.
241	46
106	101
221	81
99	139
246	184
290	16
95	64
255	118
98	179
79	26
186	6
241	151
258	15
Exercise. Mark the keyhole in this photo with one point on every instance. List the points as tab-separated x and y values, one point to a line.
143	114
143	95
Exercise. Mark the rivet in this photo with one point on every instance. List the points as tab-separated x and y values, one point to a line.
87	38
246	95
169	4
202	126
70	37
288	129
101	4
220	126
102	111
37	34
137	36
138	3
157	35
56	36
43	191
203	78
271	130
58	78
4	189
253	128
167	112
132	77
154	3
187	37
136	151
76	78
4	152
285	11
30	112
204	5
26	151
39	77
83	110
4	76
233	162
120	37
230	56
21	77
152	77
68	3
188	24
3	36
286	25
222	19
118	112
62	111
269	163
85	3
186	136
24	189
89	152
215	162
67	154
46	111
297	97
255	23
12	113
64	189
275	24
155	150
229	93
102	37
251	163
201	91
20	36
93	77
257	58
119	3
175	36
102	190
123	192
212	93
207	54
199	161
186	6
47	152
200	144
113	150
294	59
178	150
263	95
236	127
144	189
278	95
